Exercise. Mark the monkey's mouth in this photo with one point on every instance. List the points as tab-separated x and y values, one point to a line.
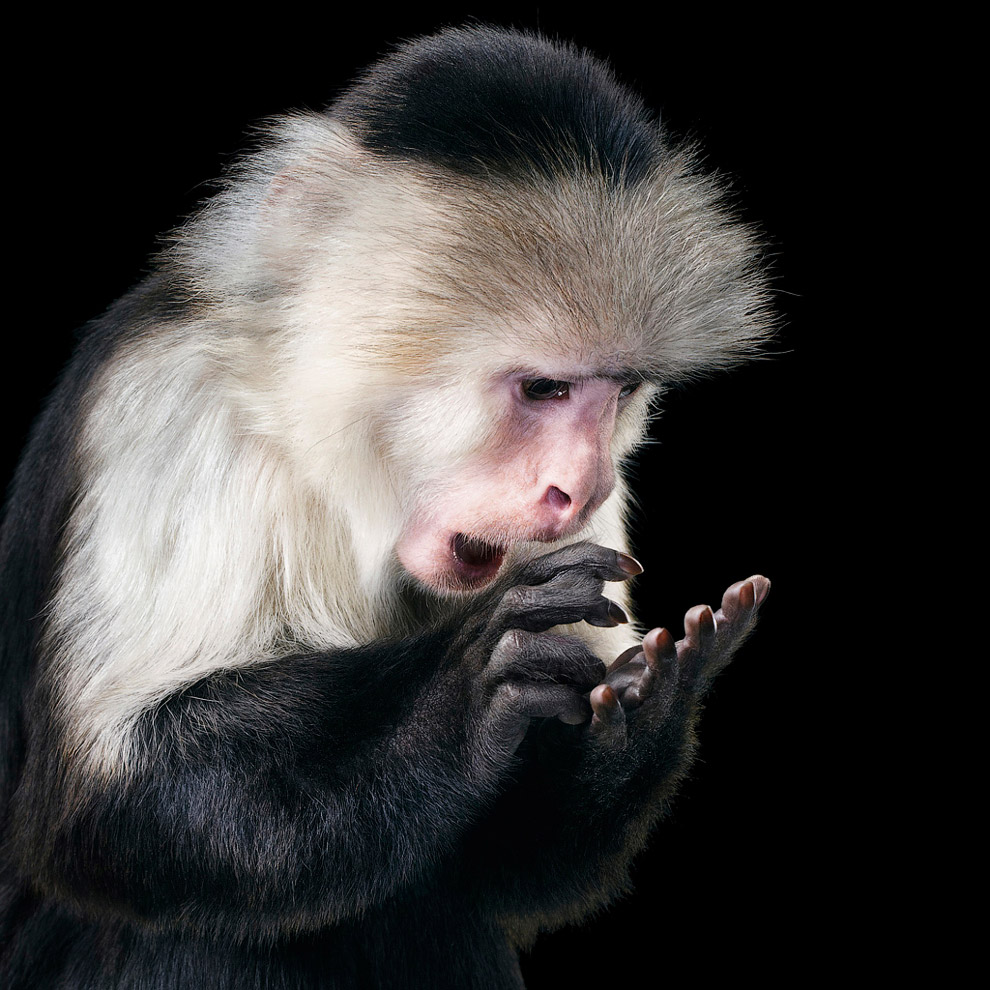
476	560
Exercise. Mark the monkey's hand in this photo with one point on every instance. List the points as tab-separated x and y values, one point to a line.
584	796
524	672
650	683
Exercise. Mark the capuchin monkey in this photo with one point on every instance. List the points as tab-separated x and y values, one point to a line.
317	666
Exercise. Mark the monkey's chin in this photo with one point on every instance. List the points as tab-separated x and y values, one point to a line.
475	562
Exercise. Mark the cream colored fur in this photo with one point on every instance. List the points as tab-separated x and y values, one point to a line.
247	474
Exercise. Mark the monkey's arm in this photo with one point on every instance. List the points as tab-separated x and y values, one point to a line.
302	791
288	794
561	839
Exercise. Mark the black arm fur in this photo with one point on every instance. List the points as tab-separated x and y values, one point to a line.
306	794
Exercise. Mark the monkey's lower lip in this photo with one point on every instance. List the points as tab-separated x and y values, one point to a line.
478	560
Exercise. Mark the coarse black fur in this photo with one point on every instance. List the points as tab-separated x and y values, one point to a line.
334	821
405	813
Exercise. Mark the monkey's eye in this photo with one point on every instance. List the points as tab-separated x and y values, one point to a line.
628	389
545	388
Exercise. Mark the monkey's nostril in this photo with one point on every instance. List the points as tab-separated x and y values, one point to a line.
557	500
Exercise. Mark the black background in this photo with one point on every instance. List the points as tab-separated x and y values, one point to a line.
763	869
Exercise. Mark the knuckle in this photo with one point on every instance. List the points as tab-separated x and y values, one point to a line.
509	692
578	586
591	555
574	556
518	598
510	645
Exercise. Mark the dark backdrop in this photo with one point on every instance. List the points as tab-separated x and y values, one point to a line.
124	126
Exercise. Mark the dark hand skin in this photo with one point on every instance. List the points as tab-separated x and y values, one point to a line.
603	749
528	672
653	675
523	671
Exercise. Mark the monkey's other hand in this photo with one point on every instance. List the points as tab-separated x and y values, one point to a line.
661	673
530	673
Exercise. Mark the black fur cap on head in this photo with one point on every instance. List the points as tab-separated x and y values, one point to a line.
485	102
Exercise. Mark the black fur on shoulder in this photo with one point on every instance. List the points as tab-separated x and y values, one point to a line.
483	101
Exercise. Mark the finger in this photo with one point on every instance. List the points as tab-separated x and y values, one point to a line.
700	627
659	649
739	600
632	682
762	586
545	701
605	705
608	720
569	596
521	655
626	656
663	659
743	598
605	563
606	613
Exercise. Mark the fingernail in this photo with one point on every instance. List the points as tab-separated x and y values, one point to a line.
762	587
627	564
616	612
747	596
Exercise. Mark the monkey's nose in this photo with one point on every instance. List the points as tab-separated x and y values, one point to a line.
558	500
566	507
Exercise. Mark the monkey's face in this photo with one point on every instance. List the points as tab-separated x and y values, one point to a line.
546	464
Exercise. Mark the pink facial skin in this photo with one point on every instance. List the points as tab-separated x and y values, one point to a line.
542	478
